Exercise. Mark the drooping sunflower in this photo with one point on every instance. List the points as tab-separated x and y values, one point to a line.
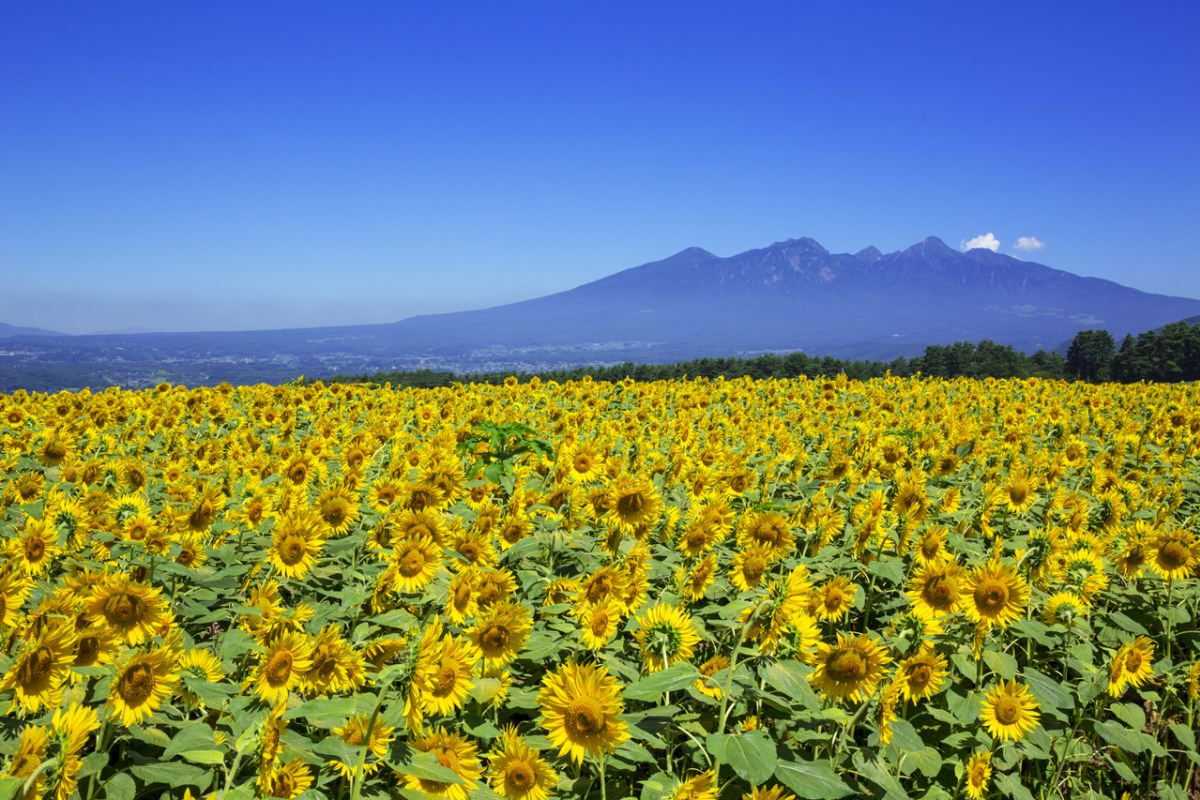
132	610
978	773
666	635
335	666
996	594
581	709
693	583
517	771
851	668
32	745
292	779
454	752
282	663
1009	711
500	632
354	733
415	562
920	676
1063	608
202	665
1131	665
706	683
697	787
72	725
37	674
1174	554
143	680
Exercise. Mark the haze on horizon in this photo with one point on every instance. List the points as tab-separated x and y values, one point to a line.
168	167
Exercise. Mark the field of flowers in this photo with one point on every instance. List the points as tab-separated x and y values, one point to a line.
687	589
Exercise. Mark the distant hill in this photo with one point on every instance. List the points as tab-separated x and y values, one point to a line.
790	296
7	330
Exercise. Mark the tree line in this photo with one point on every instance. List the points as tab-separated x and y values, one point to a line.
1168	354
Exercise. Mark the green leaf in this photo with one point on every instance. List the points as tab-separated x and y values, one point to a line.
1131	715
657	785
877	774
425	766
120	787
1011	785
195	736
811	780
671	679
1002	664
9	787
174	773
1130	741
752	754
790	678
330	712
1185	735
1048	690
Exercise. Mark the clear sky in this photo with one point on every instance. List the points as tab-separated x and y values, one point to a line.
217	165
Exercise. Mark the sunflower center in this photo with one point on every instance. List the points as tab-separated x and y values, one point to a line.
285	785
630	505
88	651
35	548
582	463
991	597
136	685
336	512
583	719
919	676
292	550
495	637
1133	661
520	775
123	609
1017	494
1172	555
846	666
444	680
1007	711
930	547
599	623
753	567
469	551
297	473
37	667
279	668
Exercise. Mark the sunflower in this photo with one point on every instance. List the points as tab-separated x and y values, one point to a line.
414	564
1017	494
474	549
455	753
770	529
338	508
978	773
1063	608
72	725
500	632
834	599
383	494
1009	711
632	503
14	589
494	586
938	588
517	771
1131	665
449	667
35	547
282	663
768	793
1174	554
581	710
583	462
30	754
598	623
202	665
460	597
666	635
697	787
336	667
133	611
693	583
143	680
354	733
920	676
749	567
706	684
849	669
296	542
997	595
290	780
37	674
931	547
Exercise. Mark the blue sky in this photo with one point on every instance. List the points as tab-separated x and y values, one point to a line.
191	165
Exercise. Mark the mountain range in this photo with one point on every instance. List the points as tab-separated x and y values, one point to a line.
791	295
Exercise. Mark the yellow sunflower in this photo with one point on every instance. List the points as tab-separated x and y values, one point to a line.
35	547
132	610
290	780
598	623
517	771
335	666
1174	554
996	594
697	787
665	636
500	633
708	685
282	663
29	756
449	668
1063	608
73	725
581	709
834	599
849	669
1131	665
632	503
921	676
416	561
202	665
749	567
978	773
938	589
455	753
355	734
296	542
143	680
37	673
1009	711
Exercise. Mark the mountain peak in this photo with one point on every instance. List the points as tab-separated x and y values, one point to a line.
869	253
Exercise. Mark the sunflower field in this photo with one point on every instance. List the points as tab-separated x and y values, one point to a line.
900	588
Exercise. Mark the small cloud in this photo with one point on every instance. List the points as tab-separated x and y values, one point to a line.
1029	243
987	241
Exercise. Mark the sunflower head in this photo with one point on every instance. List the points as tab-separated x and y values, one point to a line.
1009	711
581	708
851	668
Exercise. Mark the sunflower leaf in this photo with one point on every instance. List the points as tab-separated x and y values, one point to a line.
751	754
811	780
673	678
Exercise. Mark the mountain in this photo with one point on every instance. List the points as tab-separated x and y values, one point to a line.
7	330
792	295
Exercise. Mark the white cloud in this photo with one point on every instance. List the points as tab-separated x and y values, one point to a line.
987	241
1029	243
